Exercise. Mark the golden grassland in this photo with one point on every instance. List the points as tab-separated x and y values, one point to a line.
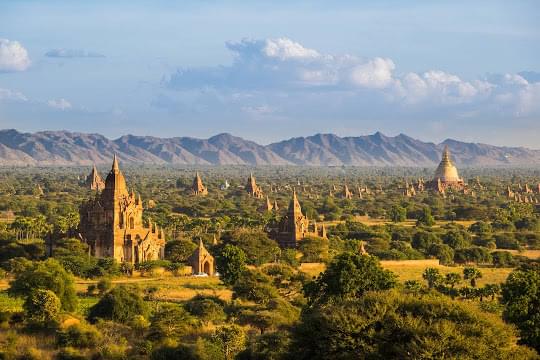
413	269
407	223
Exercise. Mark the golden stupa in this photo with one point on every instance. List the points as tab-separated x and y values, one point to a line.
447	174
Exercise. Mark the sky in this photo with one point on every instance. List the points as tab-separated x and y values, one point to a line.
272	70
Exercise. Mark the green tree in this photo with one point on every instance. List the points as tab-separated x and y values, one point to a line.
521	299
394	325
472	274
231	339
230	262
253	285
120	304
398	214
206	308
170	321
452	279
257	246
42	308
425	218
432	276
46	275
349	275
179	250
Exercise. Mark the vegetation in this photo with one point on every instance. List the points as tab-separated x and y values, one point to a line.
444	277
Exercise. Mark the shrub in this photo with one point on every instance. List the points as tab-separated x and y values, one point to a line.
120	304
79	336
46	275
42	308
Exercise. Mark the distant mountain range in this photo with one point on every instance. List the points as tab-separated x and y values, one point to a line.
69	148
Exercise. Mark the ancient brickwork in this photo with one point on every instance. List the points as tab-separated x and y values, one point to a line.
112	224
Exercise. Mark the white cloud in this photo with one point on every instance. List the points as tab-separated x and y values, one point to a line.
287	49
376	73
72	53
13	56
11	95
61	104
277	71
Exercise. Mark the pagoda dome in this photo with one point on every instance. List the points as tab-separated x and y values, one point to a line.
446	171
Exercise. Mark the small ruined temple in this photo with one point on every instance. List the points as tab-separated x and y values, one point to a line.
446	175
94	181
201	261
198	187
253	189
112	224
294	226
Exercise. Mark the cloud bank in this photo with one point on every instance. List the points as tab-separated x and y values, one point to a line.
72	53
60	104
275	73
13	56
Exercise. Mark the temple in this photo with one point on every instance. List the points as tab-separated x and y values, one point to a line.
294	226
94	181
198	187
446	175
252	188
201	261
112	224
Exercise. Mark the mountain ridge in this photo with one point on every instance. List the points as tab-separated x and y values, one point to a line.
65	148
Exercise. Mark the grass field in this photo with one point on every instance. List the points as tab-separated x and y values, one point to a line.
407	223
413	269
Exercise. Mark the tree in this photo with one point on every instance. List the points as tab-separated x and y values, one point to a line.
412	286
349	275
254	285
432	276
231	339
179	250
230	262
314	249
521	300
257	246
170	321
443	252
502	259
42	308
472	274
206	308
425	218
120	304
396	325
46	275
452	279
398	214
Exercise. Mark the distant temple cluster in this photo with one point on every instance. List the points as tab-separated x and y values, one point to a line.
112	225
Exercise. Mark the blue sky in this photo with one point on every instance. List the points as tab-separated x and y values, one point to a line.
269	70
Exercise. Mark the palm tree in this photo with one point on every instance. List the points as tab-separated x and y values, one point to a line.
472	274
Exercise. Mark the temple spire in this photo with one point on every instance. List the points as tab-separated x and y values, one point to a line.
115	166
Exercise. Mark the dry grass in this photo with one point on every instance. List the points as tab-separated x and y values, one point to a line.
531	254
413	269
407	223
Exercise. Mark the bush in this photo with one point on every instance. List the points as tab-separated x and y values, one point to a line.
104	285
42	308
206	308
120	304
70	354
46	275
79	336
